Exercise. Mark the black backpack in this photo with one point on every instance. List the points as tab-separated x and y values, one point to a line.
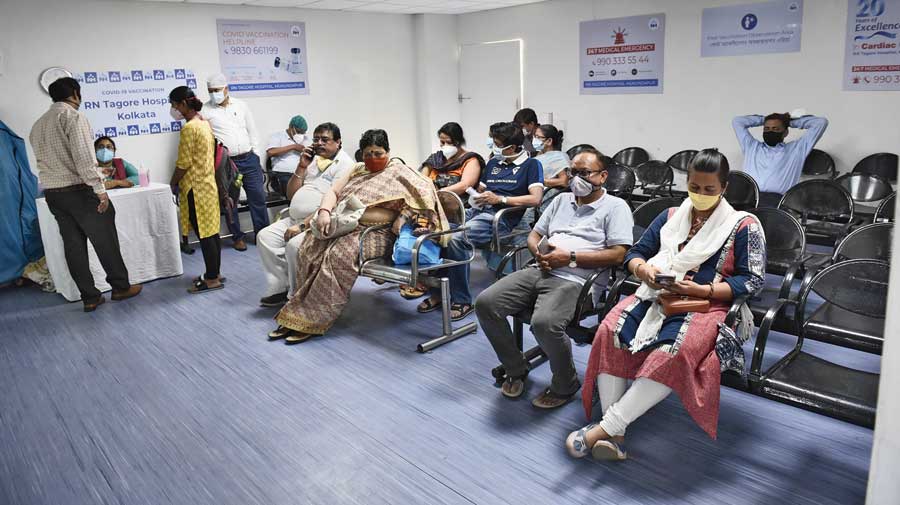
228	179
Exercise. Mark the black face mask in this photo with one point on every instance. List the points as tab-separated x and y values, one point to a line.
772	139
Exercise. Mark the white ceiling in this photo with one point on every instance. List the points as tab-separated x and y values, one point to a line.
388	6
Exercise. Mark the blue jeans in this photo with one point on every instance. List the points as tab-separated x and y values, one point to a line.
480	232
254	185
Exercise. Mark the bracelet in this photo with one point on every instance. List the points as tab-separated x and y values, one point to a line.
297	176
321	209
637	270
711	291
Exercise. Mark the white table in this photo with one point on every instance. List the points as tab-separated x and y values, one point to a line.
147	224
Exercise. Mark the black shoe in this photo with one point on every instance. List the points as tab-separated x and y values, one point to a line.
276	300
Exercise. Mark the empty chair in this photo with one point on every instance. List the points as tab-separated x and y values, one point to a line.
865	187
632	156
881	164
648	211
819	164
885	210
655	177
742	191
620	181
682	159
824	208
574	150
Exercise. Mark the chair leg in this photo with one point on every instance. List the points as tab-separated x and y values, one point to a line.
448	334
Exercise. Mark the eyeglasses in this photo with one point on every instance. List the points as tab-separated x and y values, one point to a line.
584	173
321	140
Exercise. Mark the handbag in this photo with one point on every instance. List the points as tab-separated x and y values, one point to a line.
344	219
677	304
429	252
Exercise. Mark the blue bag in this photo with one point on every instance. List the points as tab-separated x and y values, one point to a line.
429	254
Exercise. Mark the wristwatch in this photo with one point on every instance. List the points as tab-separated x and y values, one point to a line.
572	262
503	200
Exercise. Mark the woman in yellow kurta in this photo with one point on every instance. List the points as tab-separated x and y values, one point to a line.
195	183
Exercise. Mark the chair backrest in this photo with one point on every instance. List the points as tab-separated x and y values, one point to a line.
859	286
865	187
645	214
885	210
655	173
819	199
632	156
784	234
872	241
621	180
883	164
453	207
819	163
742	191
682	159
574	150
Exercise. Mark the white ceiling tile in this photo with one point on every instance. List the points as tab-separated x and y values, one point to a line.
335	4
383	7
278	3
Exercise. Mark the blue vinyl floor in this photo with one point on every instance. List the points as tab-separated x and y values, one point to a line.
175	398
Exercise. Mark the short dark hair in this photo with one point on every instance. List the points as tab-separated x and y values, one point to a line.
185	94
525	116
374	138
508	134
784	118
101	139
556	136
329	127
605	161
711	161
63	88
454	131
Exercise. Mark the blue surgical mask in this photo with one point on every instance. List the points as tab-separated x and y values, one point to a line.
104	155
217	97
537	144
490	143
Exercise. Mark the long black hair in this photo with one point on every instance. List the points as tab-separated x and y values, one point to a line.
185	94
454	131
556	136
711	161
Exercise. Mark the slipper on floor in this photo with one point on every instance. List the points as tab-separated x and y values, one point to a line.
201	287
428	306
411	293
200	278
279	333
296	337
462	310
550	400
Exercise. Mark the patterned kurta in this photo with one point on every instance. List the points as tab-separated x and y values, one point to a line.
196	155
683	357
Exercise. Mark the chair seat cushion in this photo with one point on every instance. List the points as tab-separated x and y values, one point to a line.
825	228
832	324
779	260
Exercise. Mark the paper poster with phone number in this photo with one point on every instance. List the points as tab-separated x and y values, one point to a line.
263	58
872	53
622	55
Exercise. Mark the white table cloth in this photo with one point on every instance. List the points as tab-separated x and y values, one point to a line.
147	224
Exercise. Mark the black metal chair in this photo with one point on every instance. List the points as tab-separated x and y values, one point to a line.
881	164
742	191
620	181
852	315
644	215
574	150
682	159
865	187
824	208
383	269
885	210
655	177
819	164
632	156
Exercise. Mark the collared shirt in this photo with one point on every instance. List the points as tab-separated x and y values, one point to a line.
63	145
322	180
288	161
233	125
777	169
512	178
595	226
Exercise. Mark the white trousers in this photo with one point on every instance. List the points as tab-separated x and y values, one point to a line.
621	407
278	258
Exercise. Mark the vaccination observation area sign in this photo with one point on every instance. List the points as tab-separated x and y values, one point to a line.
263	58
872	53
622	55
131	102
767	27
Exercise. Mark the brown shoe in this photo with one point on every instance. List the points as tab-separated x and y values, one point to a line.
128	293
240	245
92	306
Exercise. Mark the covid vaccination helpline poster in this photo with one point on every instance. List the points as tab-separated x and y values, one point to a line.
622	55
263	58
758	28
131	102
872	46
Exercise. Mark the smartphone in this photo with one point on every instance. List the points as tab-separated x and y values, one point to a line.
665	280
473	192
543	246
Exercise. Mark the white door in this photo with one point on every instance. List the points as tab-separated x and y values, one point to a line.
490	87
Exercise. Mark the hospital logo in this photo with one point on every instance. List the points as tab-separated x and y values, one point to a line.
793	7
192	83
175	126
114	77
653	24
295	31
870	8
110	131
137	75
619	36
90	77
159	75
749	21
179	73
154	128
133	129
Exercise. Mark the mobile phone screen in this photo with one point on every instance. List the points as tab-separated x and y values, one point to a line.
543	246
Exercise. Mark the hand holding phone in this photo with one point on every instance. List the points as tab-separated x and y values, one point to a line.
665	280
543	247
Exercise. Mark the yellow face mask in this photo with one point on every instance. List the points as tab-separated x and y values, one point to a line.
323	163
703	202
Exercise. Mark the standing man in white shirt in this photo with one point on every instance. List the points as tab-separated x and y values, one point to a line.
232	123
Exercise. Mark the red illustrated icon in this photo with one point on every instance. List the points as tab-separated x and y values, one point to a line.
619	36
855	80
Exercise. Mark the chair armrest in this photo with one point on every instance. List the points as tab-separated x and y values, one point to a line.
762	337
506	259
613	292
414	266
283	213
789	275
495	225
362	239
735	309
586	292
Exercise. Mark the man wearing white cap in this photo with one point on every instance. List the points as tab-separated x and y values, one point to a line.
232	123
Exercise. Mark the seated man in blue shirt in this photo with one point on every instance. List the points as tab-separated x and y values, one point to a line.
510	179
775	165
585	229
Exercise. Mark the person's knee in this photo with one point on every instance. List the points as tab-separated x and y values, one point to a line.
293	245
548	324
486	304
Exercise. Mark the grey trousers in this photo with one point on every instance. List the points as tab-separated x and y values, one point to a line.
554	302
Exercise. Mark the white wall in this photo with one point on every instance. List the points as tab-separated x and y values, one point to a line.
437	82
701	95
361	66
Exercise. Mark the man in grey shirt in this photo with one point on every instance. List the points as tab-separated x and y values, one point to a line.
585	230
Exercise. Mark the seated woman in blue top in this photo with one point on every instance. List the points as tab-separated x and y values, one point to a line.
510	179
117	172
710	252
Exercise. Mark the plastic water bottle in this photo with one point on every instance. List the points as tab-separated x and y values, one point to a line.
143	176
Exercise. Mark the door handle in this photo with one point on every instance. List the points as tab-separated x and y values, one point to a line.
460	97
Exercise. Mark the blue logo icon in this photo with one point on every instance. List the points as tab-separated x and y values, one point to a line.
114	77
749	21
175	125
192	83
133	130
137	75
159	75
90	77
154	128
179	73
110	131
870	8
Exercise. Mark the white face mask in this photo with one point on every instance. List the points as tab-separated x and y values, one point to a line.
299	138
525	132
449	151
217	96
176	115
581	187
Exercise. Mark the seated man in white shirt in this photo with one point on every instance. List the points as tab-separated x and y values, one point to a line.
320	165
284	151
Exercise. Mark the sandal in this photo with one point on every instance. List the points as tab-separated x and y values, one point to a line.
200	278
296	337
462	310
411	293
513	387
427	306
279	333
550	400
609	450
202	287
575	443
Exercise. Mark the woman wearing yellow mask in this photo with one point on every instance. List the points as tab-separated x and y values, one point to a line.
703	250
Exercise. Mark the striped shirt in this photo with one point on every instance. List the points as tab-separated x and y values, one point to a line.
64	148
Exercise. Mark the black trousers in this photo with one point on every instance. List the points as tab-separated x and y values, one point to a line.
76	213
211	246
769	199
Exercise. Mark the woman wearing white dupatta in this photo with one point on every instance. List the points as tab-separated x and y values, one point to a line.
715	253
